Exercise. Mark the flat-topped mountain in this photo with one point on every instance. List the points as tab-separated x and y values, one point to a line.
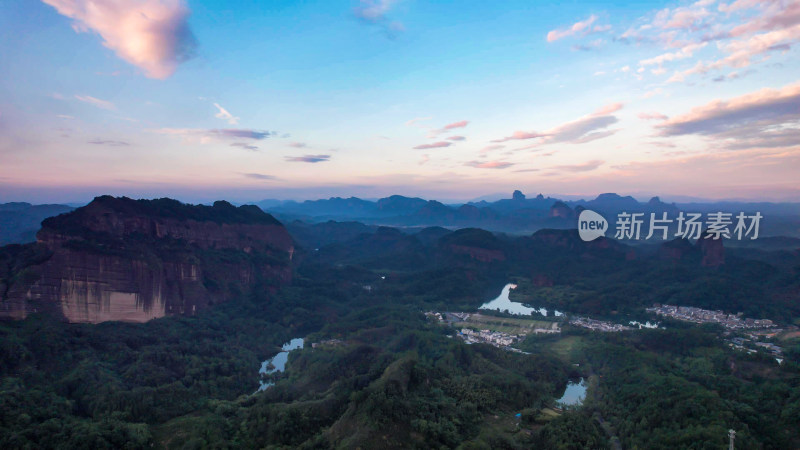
134	260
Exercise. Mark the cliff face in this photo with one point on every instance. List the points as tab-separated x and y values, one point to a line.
713	250
127	260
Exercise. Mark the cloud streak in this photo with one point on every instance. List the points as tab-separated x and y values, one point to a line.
440	144
207	135
245	146
585	167
225	115
489	164
583	130
260	176
153	35
102	104
308	158
109	143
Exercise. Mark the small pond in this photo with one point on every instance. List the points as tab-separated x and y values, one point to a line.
575	393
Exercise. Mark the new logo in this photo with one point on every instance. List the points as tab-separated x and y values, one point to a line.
591	225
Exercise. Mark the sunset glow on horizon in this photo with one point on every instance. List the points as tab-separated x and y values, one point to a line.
202	100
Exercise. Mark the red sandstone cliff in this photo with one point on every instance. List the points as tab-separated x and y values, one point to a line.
134	260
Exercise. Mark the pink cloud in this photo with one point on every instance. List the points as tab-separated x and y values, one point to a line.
489	164
439	144
585	167
459	124
577	27
456	138
586	129
608	109
153	35
521	135
686	18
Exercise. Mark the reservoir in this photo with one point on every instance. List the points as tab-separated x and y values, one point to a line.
278	362
503	303
574	395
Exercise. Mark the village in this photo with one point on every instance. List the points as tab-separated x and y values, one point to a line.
598	325
698	315
500	332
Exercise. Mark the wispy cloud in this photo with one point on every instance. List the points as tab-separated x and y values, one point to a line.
109	143
583	26
153	35
260	176
298	145
245	146
490	148
102	104
685	52
585	167
439	144
207	135
449	127
489	164
521	135
375	12
454	125
415	121
651	116
608	109
585	129
309	158
225	115
455	138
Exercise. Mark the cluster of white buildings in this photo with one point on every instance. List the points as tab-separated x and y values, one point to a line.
597	325
699	315
496	338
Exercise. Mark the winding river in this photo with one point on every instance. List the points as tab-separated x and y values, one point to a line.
278	362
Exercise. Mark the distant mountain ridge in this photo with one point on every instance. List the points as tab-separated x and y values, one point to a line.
518	214
19	221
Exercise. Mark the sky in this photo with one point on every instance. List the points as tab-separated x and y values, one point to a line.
247	100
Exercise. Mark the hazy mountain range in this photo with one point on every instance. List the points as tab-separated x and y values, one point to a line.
517	214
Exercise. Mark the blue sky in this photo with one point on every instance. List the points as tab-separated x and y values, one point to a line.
202	100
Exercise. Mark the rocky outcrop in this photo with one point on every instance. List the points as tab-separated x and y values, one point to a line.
135	260
478	245
676	250
569	243
560	209
478	254
712	249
